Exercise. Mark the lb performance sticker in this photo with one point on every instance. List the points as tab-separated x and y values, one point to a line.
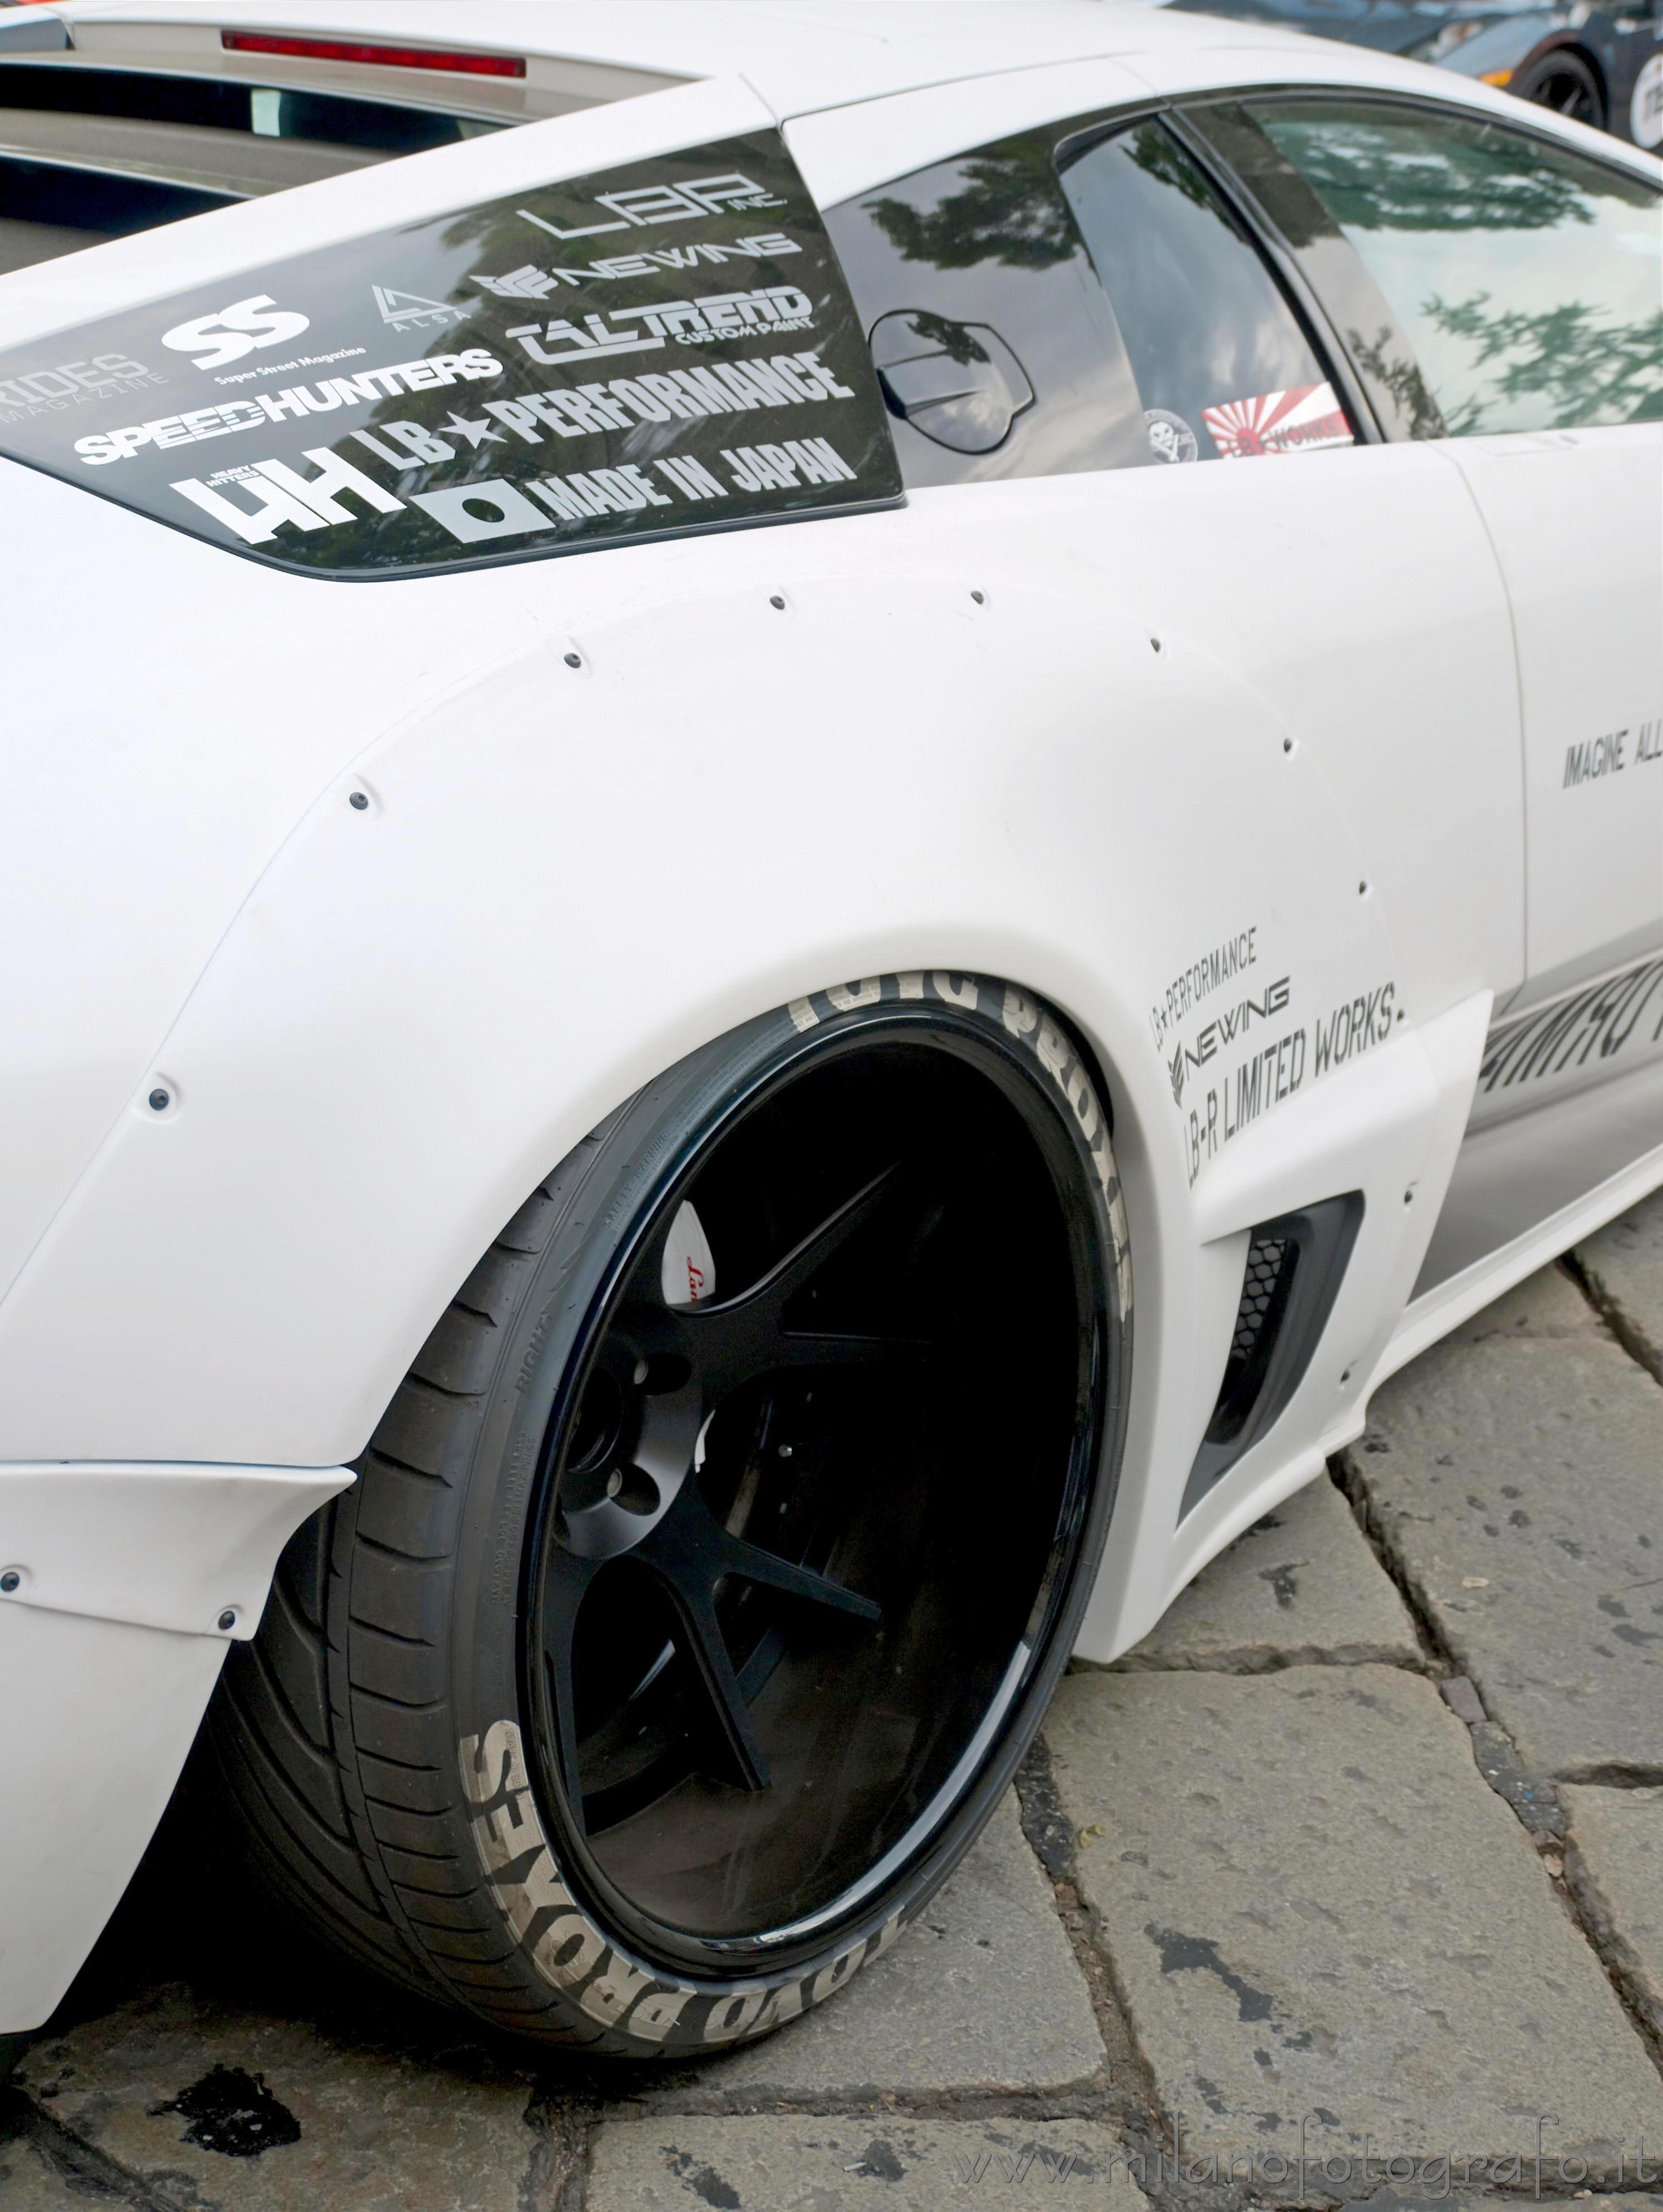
1297	421
571	1953
715	374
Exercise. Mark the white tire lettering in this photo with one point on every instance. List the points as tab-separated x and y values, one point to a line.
911	985
878	1944
567	1950
964	995
1085	1105
783	2004
846	997
732	2016
803	1014
515	1827
1053	1048
614	1989
1020	1013
507	1834
657	2014
486	1765
834	1977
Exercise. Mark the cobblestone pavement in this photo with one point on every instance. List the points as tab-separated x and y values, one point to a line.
1360	1854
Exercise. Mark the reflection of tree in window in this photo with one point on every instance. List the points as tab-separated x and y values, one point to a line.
1401	379
1393	176
958	343
1158	155
1587	369
1008	208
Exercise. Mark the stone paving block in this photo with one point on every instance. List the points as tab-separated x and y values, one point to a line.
982	1991
168	2086
1313	1904
1516	1473
1614	1865
1301	1585
888	2164
1624	1264
30	2183
1545	1305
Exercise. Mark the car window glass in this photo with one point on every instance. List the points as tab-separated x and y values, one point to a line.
636	353
1527	277
997	354
1223	367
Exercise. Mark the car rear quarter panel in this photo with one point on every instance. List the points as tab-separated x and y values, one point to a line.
565	878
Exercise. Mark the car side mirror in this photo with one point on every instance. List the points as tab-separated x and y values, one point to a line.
957	383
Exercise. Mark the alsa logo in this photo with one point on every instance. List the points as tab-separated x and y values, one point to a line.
230	332
1224	1031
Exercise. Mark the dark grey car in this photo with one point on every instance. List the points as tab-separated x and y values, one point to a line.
1602	64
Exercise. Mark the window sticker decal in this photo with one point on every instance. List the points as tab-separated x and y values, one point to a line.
501	381
1294	422
1171	437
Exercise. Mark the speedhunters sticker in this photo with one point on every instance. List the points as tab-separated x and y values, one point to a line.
654	349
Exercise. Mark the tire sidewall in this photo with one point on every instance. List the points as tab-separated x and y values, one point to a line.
618	1197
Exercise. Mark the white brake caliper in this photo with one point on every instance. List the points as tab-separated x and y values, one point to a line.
689	1273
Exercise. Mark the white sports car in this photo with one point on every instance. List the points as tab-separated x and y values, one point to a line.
588	1077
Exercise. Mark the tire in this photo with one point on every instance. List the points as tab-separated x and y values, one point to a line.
709	1573
1562	81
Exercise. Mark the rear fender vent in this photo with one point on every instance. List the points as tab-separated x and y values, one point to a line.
1294	1269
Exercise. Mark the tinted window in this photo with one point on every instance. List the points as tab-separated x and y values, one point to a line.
1526	277
1224	369
999	355
650	349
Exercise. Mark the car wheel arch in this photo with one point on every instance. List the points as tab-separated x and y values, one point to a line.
1073	863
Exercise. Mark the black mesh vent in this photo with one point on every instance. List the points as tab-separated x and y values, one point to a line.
1265	1287
1295	1267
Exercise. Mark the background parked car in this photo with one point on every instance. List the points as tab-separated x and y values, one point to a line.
1601	65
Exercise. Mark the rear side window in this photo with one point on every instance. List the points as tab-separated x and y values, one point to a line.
998	353
648	350
1526	277
1223	368
1078	298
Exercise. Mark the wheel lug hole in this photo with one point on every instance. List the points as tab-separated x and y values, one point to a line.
661	1373
614	1482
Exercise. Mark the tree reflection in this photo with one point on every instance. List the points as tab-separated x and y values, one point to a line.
1008	208
1577	366
1399	376
1401	174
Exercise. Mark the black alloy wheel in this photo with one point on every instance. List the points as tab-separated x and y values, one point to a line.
752	1491
1562	81
802	1537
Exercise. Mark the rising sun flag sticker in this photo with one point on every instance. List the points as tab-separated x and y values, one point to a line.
1289	421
